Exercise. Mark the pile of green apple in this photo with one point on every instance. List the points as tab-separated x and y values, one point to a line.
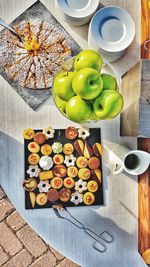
84	94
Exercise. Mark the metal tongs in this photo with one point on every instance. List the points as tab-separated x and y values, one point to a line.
105	236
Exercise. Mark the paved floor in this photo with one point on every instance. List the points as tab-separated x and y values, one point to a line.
20	246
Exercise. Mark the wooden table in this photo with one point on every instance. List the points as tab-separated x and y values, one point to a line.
145	27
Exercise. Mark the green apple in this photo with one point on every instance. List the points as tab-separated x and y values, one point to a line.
88	58
61	104
93	116
62	85
78	110
108	104
87	83
109	82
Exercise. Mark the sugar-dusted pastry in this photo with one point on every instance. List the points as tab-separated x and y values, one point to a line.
97	175
76	198
46	149
33	147
41	199
65	194
81	162
46	163
33	170
92	186
28	134
79	146
59	170
68	149
39	138
94	163
98	149
80	185
29	184
83	133
49	132
33	158
53	195
84	173
71	133
88	152
46	175
57	147
88	198
32	198
70	160
57	182
58	159
72	171
69	182
43	186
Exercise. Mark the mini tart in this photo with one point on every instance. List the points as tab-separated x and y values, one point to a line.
72	171
41	199
45	175
39	138
57	182
84	173
29	184
71	133
33	147
88	198
33	158
46	149
70	160
80	186
69	182
68	149
81	162
58	159
92	186
28	134
94	163
32	197
49	132
57	147
60	171
65	194
53	195
76	198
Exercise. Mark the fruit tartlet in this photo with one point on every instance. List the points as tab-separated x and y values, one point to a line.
83	133
76	198
33	171
58	159
84	174
70	160
33	147
41	199
57	182
33	159
65	194
46	149
71	133
43	186
39	138
68	149
29	184
92	186
69	182
57	147
80	186
59	171
49	132
72	171
46	163
28	134
88	198
53	195
82	162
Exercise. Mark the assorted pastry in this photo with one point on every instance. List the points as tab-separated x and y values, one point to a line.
67	171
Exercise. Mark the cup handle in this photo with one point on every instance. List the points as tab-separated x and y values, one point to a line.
118	168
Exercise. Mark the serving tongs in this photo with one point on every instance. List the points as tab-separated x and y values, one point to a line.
4	24
63	213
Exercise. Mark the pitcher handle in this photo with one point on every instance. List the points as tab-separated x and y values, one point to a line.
118	168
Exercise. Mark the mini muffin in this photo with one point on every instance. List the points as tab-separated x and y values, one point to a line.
81	162
28	134
33	147
39	138
57	182
68	149
60	171
88	198
72	171
71	133
33	158
29	184
65	194
84	173
92	186
58	159
53	195
46	149
45	175
41	199
69	182
94	163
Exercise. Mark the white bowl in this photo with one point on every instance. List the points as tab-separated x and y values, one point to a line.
111	32
76	12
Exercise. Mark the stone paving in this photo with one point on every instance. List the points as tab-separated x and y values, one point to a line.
20	246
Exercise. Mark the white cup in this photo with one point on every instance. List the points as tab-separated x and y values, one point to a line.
134	162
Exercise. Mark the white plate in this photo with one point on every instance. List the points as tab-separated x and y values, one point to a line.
112	28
